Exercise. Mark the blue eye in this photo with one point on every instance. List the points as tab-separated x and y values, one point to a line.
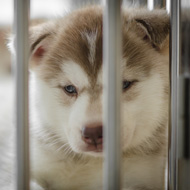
70	89
126	84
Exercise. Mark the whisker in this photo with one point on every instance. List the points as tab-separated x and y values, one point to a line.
61	147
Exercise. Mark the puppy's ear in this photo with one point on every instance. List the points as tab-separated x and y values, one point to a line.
41	38
152	27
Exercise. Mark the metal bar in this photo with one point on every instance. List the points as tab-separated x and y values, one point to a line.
150	4
174	75
112	94
21	8
168	2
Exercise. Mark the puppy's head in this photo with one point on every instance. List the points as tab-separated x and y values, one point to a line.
66	71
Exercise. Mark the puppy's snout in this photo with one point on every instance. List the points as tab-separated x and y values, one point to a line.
92	135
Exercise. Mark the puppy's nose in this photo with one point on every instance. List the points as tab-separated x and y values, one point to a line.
92	135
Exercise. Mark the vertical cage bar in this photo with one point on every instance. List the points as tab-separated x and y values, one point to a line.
150	4
21	10
168	2
174	75
112	59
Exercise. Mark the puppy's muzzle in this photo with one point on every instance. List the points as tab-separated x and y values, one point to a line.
92	135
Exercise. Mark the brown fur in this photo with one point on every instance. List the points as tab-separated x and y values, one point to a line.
67	40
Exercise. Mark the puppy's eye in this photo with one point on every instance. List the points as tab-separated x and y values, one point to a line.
126	84
70	89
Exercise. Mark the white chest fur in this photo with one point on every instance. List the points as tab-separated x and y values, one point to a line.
72	174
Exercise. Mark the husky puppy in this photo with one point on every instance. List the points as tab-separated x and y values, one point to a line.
66	100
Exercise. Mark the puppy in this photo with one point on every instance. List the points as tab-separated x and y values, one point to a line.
66	90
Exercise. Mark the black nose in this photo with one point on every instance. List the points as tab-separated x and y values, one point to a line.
92	135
